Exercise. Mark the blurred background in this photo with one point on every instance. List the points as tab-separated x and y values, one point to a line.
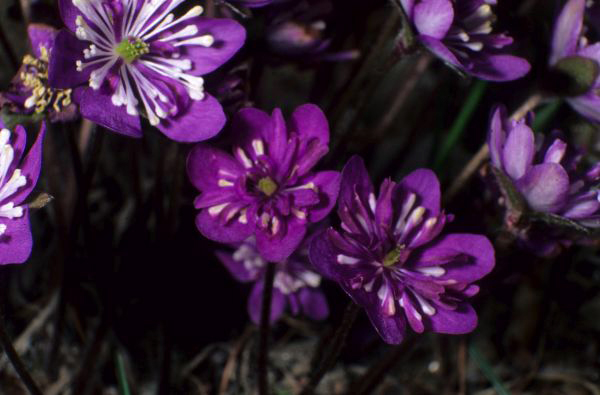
122	295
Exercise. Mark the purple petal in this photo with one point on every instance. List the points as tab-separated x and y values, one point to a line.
314	303
69	13
408	6
206	165
556	152
213	228
390	328
62	69
567	30
499	67
424	183
497	135
463	257
278	303
354	175
309	122
587	105
545	187
236	268
277	249
229	36
582	206
518	151
250	124
322	255
328	185
461	320
30	167
41	35
201	121
16	242
441	51
433	18
97	106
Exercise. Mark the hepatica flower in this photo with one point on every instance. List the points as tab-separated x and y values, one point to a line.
569	48
548	179
133	58
18	176
267	188
391	257
460	33
30	92
295	286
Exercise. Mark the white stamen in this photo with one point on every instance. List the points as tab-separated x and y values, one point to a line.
434	271
372	202
245	160
347	260
225	183
259	147
216	210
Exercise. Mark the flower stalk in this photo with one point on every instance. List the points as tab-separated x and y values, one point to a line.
263	353
15	360
338	341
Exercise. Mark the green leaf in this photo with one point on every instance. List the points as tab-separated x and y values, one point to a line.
487	370
515	202
575	75
11	120
122	376
557	221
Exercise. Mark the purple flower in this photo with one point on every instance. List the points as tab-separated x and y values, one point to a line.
549	183
460	33
29	92
267	187
17	179
391	258
137	58
568	42
296	285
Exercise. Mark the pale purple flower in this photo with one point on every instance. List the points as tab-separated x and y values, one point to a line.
267	188
132	58
547	178
391	257
18	176
29	92
460	33
296	286
568	41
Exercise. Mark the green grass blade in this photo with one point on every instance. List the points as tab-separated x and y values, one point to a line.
121	376
487	370
460	123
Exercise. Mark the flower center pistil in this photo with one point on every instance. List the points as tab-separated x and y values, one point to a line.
397	255
131	48
267	186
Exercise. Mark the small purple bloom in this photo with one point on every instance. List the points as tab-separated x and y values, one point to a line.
460	33
392	259
568	41
137	58
547	179
267	188
296	285
30	92
18	177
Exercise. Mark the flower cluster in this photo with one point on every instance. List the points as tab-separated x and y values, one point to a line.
547	177
296	285
136	58
267	188
460	33
30	92
391	257
18	176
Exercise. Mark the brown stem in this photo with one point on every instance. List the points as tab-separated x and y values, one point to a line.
483	152
338	341
265	315
13	357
